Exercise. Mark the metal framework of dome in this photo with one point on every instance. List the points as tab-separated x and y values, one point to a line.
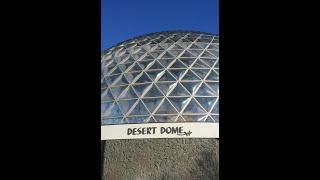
168	76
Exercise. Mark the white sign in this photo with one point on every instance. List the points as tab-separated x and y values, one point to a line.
160	130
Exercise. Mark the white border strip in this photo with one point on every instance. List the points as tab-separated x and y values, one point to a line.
160	130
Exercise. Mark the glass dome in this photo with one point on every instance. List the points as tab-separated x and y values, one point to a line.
161	77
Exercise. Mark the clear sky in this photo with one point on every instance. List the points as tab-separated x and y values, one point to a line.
125	19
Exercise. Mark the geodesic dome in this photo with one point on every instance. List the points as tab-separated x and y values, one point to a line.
161	77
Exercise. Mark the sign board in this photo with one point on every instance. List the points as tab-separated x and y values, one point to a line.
160	130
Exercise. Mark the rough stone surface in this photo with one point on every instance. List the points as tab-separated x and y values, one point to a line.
163	159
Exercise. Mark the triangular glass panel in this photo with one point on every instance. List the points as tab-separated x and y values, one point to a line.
104	83
145	64
124	67
175	53
187	61
167	55
121	81
137	56
165	87
209	61
148	57
124	59
201	72
130	60
141	52
195	52
152	43
167	77
191	39
128	94
166	108
177	73
156	65
135	67
152	103
207	36
156	54
194	46
107	96
116	91
179	91
179	102
214	52
209	119
125	105
111	65
216	70
116	112
112	79
206	102
202	45
143	79
166	45
207	54
213	76
159	48
176	46
193	107
153	74
116	71
108	69
165	118
185	40
178	64
211	46
191	86
134	50
215	109
194	118
110	121
130	45
141	89
139	109
152	120
165	62
107	56
217	64
205	40
117	59
131	76
175	39
215	118
142	43
187	54
168	41
214	86
190	76
184	44
137	119
157	40
147	47
153	92
200	64
180	119
204	90
106	108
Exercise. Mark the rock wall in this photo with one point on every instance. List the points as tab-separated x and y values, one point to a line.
163	159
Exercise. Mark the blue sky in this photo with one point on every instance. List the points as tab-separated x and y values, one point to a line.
125	19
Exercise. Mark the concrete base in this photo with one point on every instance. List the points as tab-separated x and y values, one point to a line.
162	159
